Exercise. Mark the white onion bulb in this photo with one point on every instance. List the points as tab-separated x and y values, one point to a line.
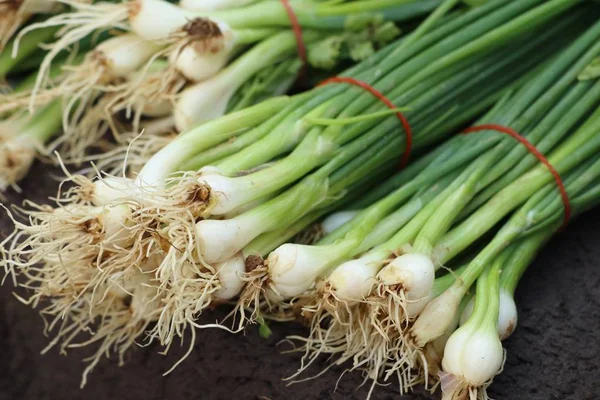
475	356
437	316
203	101
353	280
124	54
294	268
222	239
414	272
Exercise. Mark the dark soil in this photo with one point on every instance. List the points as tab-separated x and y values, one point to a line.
554	353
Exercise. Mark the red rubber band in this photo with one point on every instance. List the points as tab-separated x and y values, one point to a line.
297	33
537	154
387	102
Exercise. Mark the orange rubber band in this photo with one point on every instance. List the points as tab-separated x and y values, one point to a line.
297	33
537	154
387	102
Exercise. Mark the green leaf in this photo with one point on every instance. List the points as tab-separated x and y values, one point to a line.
362	50
263	328
326	53
386	33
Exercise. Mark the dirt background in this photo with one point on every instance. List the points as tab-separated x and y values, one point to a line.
554	354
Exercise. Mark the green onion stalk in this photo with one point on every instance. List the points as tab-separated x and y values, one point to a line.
266	69
9	62
202	44
375	274
341	250
568	158
473	354
159	20
209	68
518	258
182	225
289	202
213	94
32	61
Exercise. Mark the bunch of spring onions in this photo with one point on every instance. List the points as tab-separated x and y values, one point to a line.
125	257
376	291
169	67
473	353
160	83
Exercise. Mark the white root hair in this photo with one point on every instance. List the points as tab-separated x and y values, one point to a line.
259	298
111	317
332	323
15	101
130	100
391	320
84	20
86	275
351	332
73	232
188	282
